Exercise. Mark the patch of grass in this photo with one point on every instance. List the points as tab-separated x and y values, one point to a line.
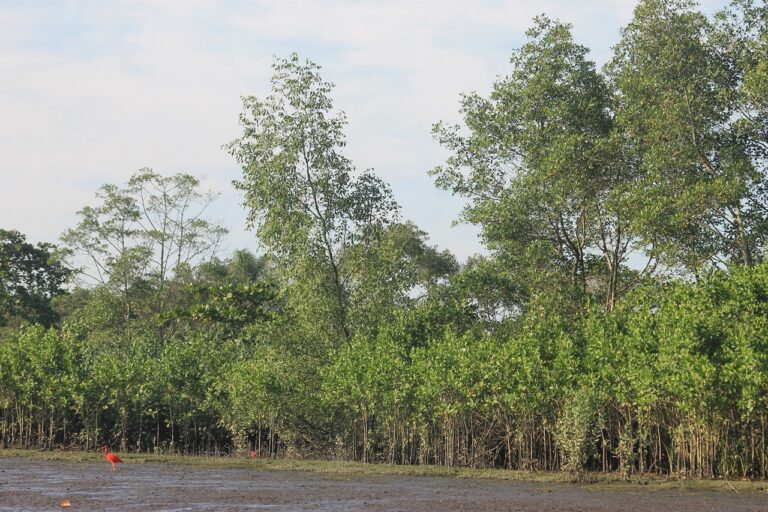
343	469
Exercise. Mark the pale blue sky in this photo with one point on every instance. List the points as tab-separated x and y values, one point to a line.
91	91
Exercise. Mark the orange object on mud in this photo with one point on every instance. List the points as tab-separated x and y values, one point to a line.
65	503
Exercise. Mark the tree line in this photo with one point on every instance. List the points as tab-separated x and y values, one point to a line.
618	323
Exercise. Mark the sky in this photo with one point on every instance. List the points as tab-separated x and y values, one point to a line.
92	91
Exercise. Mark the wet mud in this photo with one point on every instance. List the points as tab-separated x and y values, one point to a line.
37	485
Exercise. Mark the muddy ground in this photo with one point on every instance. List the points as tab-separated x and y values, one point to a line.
38	485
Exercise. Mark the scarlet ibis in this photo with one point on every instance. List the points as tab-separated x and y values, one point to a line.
111	457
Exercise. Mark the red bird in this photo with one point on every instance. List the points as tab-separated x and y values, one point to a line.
111	457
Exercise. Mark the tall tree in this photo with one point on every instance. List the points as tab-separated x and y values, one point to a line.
697	200
741	35
140	234
539	165
171	221
304	198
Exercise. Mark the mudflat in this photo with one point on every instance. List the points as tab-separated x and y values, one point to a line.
38	485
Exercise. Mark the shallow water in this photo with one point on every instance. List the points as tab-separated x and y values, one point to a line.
39	485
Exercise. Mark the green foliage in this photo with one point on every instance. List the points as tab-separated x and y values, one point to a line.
697	199
304	200
232	306
396	273
142	235
30	276
542	166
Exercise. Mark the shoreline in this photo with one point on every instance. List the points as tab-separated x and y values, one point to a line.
339	468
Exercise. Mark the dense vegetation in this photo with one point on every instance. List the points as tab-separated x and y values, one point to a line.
351	337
